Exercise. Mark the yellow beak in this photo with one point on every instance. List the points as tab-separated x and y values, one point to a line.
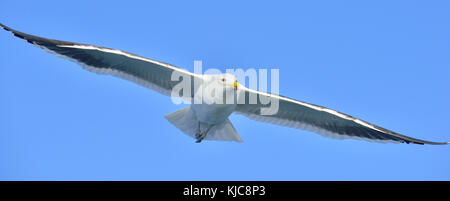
235	85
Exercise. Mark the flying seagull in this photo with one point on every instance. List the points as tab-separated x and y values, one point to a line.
210	121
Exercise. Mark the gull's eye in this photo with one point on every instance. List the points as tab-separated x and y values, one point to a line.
223	79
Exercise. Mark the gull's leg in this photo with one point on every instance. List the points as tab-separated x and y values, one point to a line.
199	132
203	135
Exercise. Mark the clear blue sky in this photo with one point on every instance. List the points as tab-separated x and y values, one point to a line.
383	61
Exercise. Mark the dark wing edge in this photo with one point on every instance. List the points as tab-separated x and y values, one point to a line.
32	39
128	66
354	128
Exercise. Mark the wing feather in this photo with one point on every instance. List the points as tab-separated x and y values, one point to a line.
321	120
143	71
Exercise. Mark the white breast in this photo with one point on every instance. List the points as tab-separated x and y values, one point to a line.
213	110
212	113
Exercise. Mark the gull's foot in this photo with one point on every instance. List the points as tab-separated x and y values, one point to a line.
199	138
198	135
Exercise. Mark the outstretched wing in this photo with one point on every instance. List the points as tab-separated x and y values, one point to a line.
146	72
321	120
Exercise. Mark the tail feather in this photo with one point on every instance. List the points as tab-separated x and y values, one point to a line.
224	131
187	122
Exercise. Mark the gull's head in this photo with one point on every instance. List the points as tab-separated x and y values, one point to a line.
229	81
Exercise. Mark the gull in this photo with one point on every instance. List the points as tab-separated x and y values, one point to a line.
209	121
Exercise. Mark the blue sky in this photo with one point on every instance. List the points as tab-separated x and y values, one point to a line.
383	61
